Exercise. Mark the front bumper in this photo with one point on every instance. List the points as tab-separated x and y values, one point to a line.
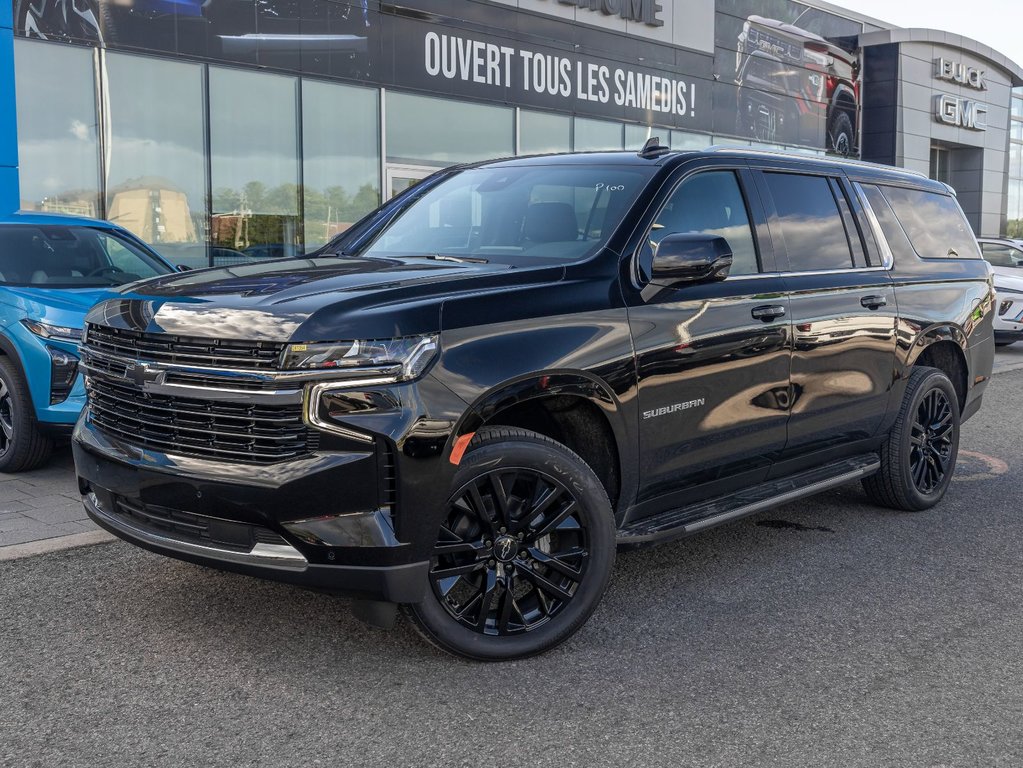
278	562
284	522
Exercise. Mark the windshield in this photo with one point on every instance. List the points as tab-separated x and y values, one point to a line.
72	257
519	215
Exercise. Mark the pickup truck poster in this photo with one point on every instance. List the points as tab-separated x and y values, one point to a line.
782	73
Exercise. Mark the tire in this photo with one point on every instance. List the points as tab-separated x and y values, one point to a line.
919	456
841	134
539	584
22	445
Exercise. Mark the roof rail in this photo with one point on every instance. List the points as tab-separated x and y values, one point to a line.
804	156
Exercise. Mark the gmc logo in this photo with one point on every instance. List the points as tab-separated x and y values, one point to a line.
961	113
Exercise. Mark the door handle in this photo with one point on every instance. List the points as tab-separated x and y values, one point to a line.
768	312
873	302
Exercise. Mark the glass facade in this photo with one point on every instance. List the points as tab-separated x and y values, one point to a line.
58	142
422	130
340	157
155	136
254	167
595	135
1014	212
541	133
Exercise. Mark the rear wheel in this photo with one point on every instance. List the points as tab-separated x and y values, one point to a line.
524	553
841	134
919	456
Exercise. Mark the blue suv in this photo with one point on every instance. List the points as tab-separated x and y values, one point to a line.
52	270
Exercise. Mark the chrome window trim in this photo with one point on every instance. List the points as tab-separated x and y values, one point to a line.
887	257
761	275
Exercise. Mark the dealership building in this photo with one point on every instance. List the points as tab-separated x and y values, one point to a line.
264	127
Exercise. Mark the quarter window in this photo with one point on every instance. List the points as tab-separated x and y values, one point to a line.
934	222
809	222
710	203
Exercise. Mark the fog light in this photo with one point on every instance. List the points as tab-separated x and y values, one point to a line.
1004	307
63	370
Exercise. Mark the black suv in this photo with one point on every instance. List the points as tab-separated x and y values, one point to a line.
465	403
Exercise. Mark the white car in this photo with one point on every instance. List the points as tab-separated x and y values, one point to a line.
1006	258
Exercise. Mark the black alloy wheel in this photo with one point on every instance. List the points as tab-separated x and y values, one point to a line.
931	440
919	455
6	419
524	551
22	445
511	553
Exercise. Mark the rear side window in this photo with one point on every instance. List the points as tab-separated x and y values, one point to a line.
810	222
893	232
934	222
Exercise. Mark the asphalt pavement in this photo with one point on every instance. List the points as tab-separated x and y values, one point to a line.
826	632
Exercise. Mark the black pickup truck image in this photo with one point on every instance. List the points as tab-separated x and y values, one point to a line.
797	80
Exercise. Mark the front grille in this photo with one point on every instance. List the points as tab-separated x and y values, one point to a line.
199	529
228	431
185	350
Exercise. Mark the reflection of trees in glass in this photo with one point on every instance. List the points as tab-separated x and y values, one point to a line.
333	210
257	215
1014	228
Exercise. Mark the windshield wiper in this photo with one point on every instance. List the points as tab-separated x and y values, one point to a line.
456	259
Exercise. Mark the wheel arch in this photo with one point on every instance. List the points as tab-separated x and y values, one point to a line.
942	348
576	409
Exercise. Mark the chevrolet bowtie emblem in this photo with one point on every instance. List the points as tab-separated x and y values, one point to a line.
139	373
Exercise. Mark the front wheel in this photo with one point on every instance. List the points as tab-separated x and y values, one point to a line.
524	552
919	456
22	445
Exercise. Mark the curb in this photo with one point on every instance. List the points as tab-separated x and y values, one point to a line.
56	544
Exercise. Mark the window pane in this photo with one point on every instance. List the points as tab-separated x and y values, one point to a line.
541	133
809	222
1001	255
1017	106
593	135
254	160
424	130
1016	130
686	140
711	204
935	224
893	232
637	135
58	152
156	174
341	148
1015	161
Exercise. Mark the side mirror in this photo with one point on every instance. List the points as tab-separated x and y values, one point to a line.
693	258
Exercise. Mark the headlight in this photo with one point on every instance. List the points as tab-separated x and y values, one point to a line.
57	332
395	359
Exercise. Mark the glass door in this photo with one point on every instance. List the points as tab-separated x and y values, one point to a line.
401	177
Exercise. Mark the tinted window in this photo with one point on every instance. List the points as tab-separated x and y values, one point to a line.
809	222
893	232
934	222
71	257
711	204
514	215
1001	255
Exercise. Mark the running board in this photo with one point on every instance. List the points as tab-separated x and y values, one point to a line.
676	523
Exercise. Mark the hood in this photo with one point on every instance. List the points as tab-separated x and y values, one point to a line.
315	299
56	306
1008	278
